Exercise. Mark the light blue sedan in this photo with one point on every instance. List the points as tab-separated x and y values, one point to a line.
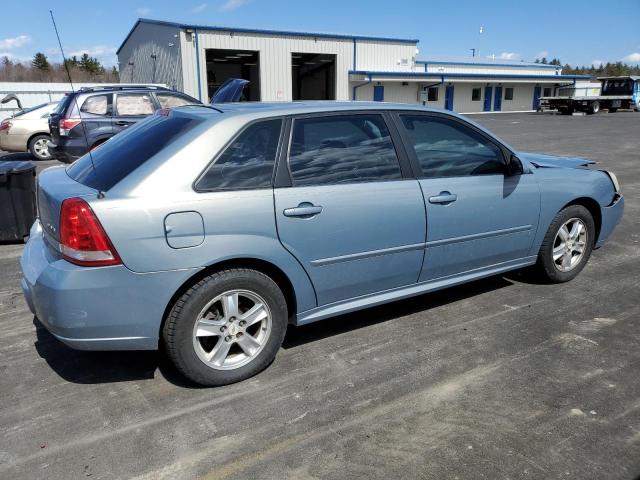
212	229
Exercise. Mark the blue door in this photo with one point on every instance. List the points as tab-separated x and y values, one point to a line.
349	218
477	217
378	93
448	97
488	96
497	101
536	98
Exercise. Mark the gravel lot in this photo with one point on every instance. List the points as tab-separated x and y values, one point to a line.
497	379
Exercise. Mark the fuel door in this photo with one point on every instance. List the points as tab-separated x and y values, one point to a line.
184	229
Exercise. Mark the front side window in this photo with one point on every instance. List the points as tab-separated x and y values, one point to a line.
134	104
508	93
476	94
546	92
247	162
96	105
448	148
342	149
432	94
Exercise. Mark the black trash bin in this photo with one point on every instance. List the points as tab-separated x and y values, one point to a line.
17	199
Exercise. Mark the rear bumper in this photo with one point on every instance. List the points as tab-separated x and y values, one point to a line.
66	152
104	308
611	216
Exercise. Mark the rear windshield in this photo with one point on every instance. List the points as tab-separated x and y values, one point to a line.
125	152
62	106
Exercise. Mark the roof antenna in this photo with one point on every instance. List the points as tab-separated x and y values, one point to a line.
75	98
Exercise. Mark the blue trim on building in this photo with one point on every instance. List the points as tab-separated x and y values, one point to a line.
355	53
195	32
520	64
356	87
459	75
263	32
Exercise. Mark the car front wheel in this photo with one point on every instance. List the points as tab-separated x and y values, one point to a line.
227	327
567	246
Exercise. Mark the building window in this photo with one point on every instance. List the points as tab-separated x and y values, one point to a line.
547	92
508	93
432	94
476	94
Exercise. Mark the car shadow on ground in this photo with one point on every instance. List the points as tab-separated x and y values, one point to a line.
85	367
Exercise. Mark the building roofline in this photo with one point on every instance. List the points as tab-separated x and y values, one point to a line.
489	64
462	75
263	32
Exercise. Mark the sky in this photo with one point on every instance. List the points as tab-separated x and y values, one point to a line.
578	32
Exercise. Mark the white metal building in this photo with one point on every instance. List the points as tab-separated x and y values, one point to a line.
285	66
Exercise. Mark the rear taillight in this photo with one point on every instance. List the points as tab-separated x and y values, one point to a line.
83	241
66	124
5	125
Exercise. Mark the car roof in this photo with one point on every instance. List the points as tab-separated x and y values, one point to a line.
269	109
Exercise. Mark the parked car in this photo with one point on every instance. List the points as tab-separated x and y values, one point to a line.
89	117
28	131
212	229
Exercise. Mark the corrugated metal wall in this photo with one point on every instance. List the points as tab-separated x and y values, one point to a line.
385	56
136	58
33	93
393	92
491	69
275	59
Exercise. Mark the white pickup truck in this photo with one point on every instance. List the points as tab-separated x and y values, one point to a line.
615	93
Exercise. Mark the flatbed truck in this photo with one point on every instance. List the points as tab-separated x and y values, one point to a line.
615	93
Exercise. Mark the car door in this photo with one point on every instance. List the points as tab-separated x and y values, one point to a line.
131	107
96	115
478	214
352	214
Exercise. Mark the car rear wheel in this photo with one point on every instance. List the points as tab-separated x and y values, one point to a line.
227	327
38	147
567	246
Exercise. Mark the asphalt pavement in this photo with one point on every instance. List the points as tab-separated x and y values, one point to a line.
502	378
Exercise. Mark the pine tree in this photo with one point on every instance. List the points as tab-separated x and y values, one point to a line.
40	62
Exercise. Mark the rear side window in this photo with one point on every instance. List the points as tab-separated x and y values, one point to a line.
247	162
96	105
133	104
447	148
168	100
342	149
125	152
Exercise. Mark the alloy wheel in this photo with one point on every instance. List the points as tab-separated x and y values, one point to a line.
41	148
569	244
232	329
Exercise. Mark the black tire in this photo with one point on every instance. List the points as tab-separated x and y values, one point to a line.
37	152
546	267
613	110
567	111
178	330
594	108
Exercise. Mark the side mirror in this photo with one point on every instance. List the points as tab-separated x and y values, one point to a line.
514	167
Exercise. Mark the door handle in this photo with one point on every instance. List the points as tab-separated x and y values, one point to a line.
305	210
122	123
444	197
